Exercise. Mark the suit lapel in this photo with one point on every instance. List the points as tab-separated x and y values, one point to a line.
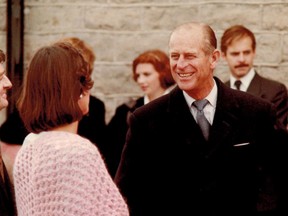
224	124
179	108
225	118
255	86
182	118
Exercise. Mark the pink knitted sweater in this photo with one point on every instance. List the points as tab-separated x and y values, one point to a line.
60	174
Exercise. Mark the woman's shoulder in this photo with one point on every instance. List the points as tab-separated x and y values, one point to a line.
59	142
61	148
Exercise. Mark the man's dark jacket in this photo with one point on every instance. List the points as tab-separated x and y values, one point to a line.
272	91
167	168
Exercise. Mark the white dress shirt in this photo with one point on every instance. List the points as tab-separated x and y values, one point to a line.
245	80
209	109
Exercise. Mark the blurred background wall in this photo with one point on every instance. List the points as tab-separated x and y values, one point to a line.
119	30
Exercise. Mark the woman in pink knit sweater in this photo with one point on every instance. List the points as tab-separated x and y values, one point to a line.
57	172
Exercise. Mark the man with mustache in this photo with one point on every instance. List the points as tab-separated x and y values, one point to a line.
238	47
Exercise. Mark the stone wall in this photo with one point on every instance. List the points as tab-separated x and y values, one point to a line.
118	30
2	40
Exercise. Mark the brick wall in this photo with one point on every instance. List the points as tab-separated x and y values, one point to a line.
118	30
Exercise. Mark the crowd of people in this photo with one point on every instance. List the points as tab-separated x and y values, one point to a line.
160	154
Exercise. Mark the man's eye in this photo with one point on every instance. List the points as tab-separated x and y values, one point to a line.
174	57
190	56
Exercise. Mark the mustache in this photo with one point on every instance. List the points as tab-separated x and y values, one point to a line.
241	65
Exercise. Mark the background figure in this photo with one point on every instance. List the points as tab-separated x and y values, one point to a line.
56	171
166	156
92	126
238	46
6	192
151	71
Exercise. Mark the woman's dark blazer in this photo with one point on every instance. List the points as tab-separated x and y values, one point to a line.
93	126
167	168
117	129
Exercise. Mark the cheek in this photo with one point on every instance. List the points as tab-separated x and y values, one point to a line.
154	80
172	64
251	58
2	68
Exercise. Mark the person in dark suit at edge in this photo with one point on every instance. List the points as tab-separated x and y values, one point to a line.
238	48
7	204
168	166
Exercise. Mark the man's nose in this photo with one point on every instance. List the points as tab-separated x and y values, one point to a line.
181	63
241	57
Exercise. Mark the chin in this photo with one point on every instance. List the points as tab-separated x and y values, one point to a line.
3	104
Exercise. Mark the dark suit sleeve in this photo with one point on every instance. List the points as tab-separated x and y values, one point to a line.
280	101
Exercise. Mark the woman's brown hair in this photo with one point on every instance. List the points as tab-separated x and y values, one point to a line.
160	61
85	49
56	76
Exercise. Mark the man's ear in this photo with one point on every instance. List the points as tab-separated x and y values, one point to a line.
215	57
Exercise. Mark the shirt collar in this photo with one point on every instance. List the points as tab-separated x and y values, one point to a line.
211	97
146	99
245	80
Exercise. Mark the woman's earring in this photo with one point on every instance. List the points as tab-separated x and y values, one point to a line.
81	96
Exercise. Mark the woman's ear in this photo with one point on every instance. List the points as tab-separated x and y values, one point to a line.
83	102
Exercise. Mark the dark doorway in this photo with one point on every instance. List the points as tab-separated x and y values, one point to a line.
15	35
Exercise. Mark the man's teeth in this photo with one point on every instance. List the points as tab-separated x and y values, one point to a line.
185	74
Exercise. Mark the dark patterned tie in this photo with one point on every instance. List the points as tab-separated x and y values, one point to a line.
238	84
200	117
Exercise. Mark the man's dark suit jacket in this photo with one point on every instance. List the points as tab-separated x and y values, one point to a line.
273	91
167	168
7	205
